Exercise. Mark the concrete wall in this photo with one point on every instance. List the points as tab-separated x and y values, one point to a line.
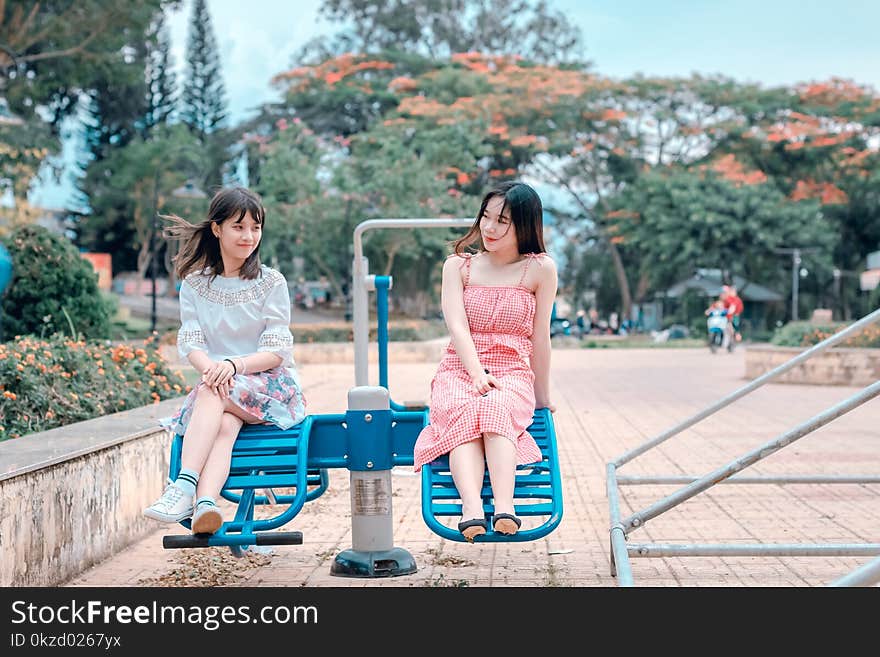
836	366
73	496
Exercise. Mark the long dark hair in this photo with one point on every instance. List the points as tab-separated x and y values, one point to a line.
526	213
200	248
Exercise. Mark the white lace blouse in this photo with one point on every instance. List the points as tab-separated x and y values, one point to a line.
229	317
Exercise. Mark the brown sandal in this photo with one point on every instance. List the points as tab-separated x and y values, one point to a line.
472	528
505	523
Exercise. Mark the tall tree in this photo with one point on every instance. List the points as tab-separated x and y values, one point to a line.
130	186
440	28
204	95
51	54
718	216
161	80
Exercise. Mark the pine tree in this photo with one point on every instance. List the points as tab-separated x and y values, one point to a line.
161	80
204	95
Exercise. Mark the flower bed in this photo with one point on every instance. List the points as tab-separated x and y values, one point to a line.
47	383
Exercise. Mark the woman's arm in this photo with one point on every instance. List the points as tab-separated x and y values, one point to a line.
545	295
257	362
191	341
452	303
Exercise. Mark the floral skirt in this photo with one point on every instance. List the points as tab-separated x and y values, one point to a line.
274	396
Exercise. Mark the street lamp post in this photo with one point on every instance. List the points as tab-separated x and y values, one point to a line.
796	260
153	252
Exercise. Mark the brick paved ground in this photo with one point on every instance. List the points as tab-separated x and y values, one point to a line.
608	401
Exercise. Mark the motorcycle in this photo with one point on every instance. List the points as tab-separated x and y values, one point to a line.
719	333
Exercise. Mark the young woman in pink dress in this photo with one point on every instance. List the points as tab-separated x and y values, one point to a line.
496	371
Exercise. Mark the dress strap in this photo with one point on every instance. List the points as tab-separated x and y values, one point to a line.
465	262
529	258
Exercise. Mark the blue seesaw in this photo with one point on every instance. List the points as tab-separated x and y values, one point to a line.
284	469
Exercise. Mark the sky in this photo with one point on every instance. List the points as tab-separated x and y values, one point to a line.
770	42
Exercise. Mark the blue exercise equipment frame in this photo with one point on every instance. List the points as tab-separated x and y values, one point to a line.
271	467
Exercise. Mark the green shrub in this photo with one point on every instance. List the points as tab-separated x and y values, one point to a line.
807	334
53	289
50	383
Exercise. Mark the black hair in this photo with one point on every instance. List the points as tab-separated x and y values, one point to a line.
526	214
200	248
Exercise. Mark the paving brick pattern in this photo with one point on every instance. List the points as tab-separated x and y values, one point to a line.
608	401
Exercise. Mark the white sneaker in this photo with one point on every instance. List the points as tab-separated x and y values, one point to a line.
207	519
173	506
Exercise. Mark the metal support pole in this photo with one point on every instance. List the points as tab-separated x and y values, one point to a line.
769	479
795	279
153	275
620	565
382	284
753	550
867	575
372	553
359	283
361	319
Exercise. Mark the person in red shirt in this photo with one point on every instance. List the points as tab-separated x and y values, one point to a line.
735	306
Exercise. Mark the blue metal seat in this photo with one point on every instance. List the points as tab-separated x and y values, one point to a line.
269	466
537	492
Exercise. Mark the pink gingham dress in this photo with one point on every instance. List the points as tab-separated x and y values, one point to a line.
500	319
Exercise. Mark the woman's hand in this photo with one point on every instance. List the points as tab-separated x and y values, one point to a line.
484	382
223	389
546	404
218	373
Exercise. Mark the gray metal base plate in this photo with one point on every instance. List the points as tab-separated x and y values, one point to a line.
384	563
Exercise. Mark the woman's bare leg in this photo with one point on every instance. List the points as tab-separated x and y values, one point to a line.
467	465
216	468
202	430
501	460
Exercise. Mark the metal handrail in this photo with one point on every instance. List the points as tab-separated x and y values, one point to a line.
620	552
749	387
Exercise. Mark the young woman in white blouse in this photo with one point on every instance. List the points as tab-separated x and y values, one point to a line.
235	330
